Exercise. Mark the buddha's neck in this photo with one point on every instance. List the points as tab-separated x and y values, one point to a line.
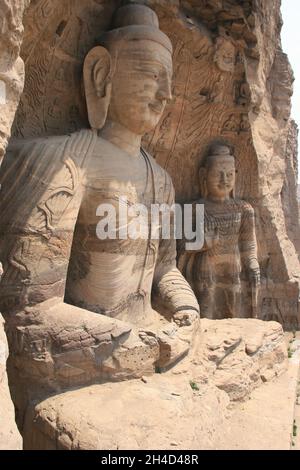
121	137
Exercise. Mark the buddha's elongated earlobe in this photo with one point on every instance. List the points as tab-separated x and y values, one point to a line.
97	72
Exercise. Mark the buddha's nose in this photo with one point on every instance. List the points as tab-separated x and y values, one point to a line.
223	178
164	91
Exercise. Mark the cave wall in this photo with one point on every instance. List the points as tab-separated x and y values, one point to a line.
275	143
249	105
11	65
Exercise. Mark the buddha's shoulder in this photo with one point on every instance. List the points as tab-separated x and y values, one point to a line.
16	144
69	145
39	159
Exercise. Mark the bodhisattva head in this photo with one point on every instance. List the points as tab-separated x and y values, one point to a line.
217	174
127	79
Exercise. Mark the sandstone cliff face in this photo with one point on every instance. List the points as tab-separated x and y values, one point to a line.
242	94
289	194
271	84
11	86
231	80
11	65
10	438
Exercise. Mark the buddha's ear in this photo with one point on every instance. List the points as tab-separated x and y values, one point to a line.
202	182
97	71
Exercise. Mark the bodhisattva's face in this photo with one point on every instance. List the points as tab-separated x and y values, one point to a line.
141	85
220	178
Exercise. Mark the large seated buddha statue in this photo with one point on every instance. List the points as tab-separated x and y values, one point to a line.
78	307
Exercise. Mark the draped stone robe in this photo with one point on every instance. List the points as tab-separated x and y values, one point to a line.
53	187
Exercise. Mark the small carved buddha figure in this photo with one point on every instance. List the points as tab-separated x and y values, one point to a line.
230	244
79	308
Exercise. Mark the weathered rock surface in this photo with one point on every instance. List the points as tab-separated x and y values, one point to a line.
270	81
11	65
11	87
237	355
289	195
10	438
232	358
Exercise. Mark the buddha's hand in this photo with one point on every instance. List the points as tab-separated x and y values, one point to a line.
186	318
254	274
212	238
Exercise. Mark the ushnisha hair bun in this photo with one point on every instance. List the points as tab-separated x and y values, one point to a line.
132	23
217	151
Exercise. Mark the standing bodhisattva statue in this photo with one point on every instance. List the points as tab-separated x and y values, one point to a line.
78	308
230	245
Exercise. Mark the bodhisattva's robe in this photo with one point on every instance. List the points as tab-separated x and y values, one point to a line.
214	272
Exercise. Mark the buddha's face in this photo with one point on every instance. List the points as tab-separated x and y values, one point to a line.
225	55
220	177
141	85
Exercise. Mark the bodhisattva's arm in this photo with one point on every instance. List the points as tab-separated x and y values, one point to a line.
54	345
170	286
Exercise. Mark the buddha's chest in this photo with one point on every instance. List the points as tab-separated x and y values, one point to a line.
113	176
113	185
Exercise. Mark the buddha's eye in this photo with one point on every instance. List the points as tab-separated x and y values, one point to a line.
151	74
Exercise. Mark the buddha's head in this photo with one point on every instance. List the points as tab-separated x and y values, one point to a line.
127	78
217	174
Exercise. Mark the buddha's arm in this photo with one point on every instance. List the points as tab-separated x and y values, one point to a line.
170	286
247	240
174	291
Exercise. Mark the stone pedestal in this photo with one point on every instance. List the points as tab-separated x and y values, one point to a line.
185	408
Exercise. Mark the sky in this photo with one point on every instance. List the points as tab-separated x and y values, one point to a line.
290	36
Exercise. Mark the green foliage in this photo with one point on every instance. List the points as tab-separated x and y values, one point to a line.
194	386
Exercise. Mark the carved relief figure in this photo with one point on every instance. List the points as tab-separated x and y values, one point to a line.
231	125
230	241
225	54
242	93
49	221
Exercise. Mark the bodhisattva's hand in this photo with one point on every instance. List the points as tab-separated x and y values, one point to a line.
185	318
212	238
